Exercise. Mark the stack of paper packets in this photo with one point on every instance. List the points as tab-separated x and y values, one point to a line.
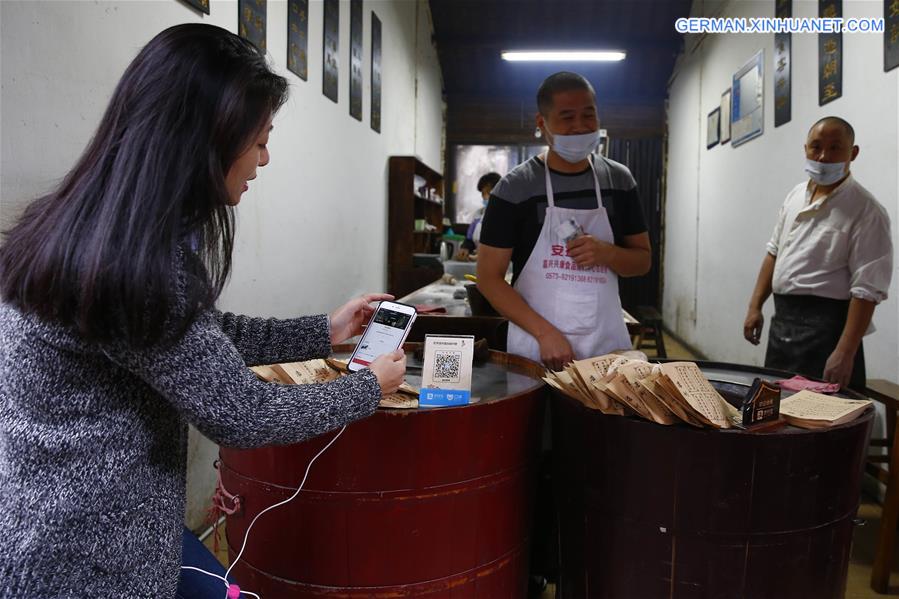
621	384
323	371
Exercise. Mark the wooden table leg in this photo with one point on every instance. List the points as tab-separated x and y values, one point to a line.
883	558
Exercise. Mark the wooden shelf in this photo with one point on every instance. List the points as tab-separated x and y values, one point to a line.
405	205
429	201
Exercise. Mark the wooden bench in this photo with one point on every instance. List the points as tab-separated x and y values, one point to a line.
649	330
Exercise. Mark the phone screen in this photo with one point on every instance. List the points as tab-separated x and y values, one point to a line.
382	336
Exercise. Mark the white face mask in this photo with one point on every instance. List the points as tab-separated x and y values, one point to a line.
825	173
574	148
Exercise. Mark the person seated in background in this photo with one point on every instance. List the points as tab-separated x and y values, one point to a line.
469	247
829	263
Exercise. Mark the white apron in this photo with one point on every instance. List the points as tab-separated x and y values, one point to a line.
582	303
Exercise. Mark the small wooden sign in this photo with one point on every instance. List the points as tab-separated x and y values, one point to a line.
762	403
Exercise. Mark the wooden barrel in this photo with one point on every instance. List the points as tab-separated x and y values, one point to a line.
430	503
647	511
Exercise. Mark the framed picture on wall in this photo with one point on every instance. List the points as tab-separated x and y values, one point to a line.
783	68
830	55
356	59
298	37
890	35
330	43
713	132
251	21
747	101
375	72
725	117
201	5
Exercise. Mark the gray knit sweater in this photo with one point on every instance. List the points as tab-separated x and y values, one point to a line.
93	442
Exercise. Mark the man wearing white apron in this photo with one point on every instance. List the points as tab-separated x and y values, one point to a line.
563	304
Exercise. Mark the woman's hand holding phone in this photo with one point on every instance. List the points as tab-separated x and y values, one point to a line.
347	320
390	370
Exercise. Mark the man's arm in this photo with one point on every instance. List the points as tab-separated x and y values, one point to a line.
838	368
752	326
870	266
555	351
630	259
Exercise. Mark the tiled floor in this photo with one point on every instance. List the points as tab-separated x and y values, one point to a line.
864	540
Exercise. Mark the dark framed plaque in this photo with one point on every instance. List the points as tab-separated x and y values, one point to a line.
375	72
890	34
830	55
724	127
298	37
783	9
783	78
713	129
251	21
201	5
331	43
356	59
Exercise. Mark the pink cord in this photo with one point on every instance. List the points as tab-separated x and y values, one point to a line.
220	498
222	495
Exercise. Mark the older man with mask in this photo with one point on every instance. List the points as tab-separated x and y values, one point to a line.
829	263
571	224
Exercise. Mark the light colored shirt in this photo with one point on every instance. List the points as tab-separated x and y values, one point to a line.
838	246
474	229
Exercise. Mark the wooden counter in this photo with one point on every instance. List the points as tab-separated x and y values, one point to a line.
406	503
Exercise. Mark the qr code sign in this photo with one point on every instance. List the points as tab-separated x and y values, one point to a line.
446	366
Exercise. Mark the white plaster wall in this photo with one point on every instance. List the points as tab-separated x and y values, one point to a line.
722	203
312	229
430	133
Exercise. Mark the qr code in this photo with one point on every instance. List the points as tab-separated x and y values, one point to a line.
446	366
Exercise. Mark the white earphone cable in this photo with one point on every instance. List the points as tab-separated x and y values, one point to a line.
222	578
288	500
246	537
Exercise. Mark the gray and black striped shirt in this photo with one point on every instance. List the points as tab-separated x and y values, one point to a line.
517	206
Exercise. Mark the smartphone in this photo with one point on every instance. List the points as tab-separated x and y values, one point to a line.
569	230
387	330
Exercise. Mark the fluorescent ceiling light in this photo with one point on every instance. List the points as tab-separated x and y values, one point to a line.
563	55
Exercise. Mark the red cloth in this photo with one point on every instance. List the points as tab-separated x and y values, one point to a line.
798	383
430	309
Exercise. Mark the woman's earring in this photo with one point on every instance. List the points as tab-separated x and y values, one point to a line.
537	133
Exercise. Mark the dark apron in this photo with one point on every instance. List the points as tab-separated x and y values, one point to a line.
805	331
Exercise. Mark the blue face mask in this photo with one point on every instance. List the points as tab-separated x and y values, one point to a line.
575	148
825	173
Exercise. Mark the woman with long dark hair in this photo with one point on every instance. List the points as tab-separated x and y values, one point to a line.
109	340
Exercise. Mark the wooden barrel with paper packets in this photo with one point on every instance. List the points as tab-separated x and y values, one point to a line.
423	502
651	510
